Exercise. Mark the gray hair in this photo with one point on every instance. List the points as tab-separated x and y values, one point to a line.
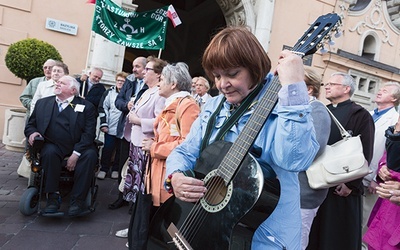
206	83
396	92
348	80
73	84
178	73
142	60
96	69
50	61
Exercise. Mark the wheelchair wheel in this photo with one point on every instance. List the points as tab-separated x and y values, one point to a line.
29	202
91	198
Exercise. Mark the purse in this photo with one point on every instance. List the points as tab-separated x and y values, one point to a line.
341	162
124	171
140	220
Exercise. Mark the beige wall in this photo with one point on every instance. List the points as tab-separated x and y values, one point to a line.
26	18
293	17
20	19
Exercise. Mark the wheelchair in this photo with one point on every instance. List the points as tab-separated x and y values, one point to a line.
30	202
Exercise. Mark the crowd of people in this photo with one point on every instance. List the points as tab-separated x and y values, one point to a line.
159	120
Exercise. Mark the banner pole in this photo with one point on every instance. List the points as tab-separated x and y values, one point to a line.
159	53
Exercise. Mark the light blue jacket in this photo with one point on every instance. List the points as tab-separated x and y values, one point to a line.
289	146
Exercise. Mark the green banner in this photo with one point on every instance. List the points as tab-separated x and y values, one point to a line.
145	30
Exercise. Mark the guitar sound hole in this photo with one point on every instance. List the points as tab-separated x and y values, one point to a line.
216	190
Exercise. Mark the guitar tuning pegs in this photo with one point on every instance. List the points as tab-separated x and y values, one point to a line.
331	42
323	50
338	33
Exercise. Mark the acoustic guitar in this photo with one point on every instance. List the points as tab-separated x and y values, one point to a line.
239	196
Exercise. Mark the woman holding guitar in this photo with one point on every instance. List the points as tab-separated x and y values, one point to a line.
283	146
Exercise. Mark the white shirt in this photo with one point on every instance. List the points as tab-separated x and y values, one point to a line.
44	89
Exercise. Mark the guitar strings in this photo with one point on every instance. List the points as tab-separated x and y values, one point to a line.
197	215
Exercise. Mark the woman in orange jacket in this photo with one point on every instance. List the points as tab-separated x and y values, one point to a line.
171	125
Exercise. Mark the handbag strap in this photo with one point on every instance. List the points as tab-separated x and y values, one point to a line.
343	132
146	177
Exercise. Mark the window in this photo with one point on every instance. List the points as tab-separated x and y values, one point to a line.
366	88
369	47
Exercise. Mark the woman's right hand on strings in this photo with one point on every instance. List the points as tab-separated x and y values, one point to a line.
187	188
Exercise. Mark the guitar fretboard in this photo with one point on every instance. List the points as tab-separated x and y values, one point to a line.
236	154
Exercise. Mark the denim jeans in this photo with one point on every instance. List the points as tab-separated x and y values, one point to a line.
111	145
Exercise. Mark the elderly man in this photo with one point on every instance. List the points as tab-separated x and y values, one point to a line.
91	88
67	123
385	115
46	88
30	89
202	87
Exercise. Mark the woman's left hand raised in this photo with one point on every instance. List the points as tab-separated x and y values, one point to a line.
290	68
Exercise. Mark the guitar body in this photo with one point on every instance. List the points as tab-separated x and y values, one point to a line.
247	200
238	196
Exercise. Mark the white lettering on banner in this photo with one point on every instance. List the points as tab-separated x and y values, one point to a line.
132	45
157	17
118	11
104	28
161	12
151	43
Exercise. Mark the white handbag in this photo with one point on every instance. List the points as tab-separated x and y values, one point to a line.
341	162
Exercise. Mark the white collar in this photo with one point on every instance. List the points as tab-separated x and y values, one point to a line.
174	96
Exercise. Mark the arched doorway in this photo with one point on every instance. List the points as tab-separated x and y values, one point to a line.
200	20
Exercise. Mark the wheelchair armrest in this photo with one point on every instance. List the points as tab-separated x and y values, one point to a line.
98	143
37	144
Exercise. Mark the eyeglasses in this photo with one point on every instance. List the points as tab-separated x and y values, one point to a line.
332	84
47	67
148	69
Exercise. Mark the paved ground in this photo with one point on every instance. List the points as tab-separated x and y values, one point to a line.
95	231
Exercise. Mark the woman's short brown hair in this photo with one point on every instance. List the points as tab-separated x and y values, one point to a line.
235	47
158	64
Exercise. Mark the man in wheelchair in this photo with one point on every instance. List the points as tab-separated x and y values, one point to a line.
68	125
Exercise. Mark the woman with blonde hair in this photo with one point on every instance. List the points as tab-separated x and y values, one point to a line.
141	119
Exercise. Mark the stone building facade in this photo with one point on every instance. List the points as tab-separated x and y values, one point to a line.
369	48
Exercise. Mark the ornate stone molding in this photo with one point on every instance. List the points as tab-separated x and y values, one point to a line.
234	11
375	20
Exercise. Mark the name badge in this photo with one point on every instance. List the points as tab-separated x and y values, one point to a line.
173	130
79	108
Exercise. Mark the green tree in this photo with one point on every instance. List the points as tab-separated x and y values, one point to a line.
25	58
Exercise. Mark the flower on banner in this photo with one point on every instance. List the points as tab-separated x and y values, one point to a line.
173	16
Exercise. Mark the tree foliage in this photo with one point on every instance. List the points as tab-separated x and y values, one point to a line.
25	58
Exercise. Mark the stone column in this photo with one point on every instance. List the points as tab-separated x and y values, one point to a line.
14	125
265	13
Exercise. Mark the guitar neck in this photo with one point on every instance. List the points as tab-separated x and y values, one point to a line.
242	144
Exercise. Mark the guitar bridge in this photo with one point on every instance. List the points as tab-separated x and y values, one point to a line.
178	239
